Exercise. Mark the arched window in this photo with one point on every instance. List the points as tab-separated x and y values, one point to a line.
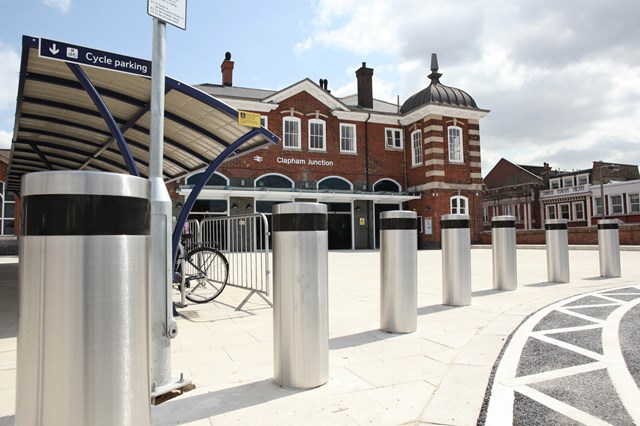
317	135
459	204
291	132
274	181
335	183
386	185
455	145
216	179
416	148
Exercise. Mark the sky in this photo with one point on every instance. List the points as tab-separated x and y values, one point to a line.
561	78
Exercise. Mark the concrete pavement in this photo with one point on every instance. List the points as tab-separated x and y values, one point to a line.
437	375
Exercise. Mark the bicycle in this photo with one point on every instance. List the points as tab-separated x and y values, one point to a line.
203	272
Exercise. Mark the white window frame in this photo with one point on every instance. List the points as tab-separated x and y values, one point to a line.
568	179
354	149
595	206
506	210
577	216
585	179
485	214
611	205
550	208
416	149
633	207
554	183
452	144
393	141
560	206
323	136
420	224
264	121
459	209
297	135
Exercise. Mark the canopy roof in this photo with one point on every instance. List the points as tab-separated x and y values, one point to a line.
59	127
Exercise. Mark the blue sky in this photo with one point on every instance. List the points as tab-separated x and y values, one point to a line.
562	79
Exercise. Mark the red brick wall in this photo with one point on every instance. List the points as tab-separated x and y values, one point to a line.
629	235
382	162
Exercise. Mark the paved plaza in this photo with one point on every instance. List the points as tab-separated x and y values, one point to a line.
572	360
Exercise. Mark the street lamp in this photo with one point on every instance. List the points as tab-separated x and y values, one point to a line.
613	168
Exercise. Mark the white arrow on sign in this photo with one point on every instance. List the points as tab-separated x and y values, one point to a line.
54	49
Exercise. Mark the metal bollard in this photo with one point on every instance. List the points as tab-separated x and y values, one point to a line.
398	272
300	295
609	248
456	260
503	238
557	250
83	335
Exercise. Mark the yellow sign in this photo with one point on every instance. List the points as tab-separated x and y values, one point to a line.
362	221
250	119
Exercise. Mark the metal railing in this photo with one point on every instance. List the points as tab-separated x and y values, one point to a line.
244	240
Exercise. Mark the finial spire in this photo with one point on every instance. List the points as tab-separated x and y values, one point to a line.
435	75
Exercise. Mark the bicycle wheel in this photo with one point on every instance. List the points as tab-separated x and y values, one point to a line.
206	274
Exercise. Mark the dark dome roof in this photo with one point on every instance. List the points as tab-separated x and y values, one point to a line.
438	94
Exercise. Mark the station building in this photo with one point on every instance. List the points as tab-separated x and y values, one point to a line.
359	155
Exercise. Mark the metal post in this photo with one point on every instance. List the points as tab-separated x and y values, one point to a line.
163	327
557	250
456	260
398	272
300	295
609	248
503	239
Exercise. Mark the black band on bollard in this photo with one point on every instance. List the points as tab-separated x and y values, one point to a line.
555	226
85	214
503	224
454	224
299	222
607	226
387	224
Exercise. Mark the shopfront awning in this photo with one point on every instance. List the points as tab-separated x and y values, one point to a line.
61	124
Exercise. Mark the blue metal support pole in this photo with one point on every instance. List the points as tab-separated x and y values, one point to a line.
106	115
188	205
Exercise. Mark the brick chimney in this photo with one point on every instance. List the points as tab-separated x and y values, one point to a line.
365	86
227	70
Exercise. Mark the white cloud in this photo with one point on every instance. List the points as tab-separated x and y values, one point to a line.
5	139
561	79
9	72
63	5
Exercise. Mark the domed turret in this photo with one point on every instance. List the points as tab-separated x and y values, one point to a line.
438	94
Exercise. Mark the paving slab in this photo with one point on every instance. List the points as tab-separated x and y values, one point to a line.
437	375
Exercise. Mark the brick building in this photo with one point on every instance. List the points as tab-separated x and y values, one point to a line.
534	194
359	155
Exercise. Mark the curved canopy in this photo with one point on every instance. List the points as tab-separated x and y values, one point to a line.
59	126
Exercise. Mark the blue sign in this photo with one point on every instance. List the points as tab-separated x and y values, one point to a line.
92	57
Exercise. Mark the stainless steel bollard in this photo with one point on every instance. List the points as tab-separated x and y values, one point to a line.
398	272
456	259
557	250
300	295
609	248
83	334
505	267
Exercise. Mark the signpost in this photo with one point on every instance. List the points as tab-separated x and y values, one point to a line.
163	326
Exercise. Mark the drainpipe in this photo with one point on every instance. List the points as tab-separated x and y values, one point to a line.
366	173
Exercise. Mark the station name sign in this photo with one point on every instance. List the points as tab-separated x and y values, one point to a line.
303	162
92	57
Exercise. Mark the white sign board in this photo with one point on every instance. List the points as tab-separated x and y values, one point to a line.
172	12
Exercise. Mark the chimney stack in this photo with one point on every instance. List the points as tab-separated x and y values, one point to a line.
227	70
365	86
